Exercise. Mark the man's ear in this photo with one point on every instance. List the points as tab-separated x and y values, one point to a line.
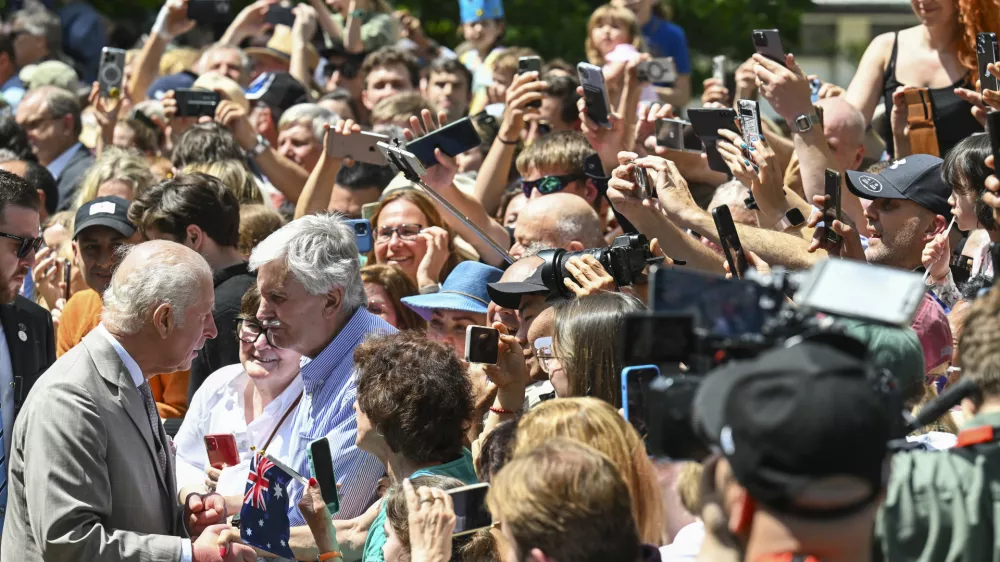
537	555
590	192
364	99
334	302
194	237
937	226
163	320
575	246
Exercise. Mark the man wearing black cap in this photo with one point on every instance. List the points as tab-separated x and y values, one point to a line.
517	300
909	207
802	435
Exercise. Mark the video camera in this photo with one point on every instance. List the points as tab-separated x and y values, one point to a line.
625	259
702	321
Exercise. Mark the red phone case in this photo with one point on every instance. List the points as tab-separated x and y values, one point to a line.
222	450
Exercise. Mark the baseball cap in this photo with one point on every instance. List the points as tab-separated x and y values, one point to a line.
110	211
463	290
916	178
795	416
895	349
50	73
163	84
934	332
508	295
278	90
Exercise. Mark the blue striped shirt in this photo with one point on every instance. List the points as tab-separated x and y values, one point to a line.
327	410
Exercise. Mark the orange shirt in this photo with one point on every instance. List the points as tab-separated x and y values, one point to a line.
82	314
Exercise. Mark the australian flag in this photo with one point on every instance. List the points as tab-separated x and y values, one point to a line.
264	517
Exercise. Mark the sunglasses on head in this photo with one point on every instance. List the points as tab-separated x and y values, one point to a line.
549	184
27	244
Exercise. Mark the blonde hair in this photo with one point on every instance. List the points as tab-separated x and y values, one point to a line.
234	175
178	60
616	16
115	164
596	423
257	222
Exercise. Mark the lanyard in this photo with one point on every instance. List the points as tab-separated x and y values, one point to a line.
281	422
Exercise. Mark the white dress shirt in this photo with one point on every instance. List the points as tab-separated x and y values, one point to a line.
138	379
218	407
6	396
57	166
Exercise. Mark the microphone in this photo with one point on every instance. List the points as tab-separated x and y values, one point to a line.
951	397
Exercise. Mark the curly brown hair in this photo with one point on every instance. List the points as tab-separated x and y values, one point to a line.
974	16
415	392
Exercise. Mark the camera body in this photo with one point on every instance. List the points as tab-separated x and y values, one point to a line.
624	260
657	71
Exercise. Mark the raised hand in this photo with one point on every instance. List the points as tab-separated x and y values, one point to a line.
849	246
510	370
48	274
785	88
443	175
588	276
524	89
936	257
172	20
435	239
431	516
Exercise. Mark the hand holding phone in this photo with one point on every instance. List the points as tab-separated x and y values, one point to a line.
221	449
321	465
987	51
831	210
471	513
453	139
196	103
482	345
595	94
111	72
530	64
767	42
729	239
67	278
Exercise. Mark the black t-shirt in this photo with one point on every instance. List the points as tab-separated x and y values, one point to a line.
230	285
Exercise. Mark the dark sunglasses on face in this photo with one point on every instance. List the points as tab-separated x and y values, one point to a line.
27	244
549	184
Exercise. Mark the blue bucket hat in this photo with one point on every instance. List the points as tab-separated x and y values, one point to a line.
163	84
464	290
478	10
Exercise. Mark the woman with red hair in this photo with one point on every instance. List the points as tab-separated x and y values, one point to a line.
940	55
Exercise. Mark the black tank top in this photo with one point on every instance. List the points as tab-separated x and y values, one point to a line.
953	118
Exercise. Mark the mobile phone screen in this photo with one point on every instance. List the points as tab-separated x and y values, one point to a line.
471	513
657	338
725	308
482	345
635	384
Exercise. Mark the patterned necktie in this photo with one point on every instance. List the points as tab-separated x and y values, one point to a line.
154	422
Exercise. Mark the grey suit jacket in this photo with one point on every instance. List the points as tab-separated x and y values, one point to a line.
85	483
72	176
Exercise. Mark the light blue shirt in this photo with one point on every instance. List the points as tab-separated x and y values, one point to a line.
13	90
138	379
6	397
57	166
327	410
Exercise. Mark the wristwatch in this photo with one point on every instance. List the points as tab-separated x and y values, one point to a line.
259	148
359	14
793	217
805	122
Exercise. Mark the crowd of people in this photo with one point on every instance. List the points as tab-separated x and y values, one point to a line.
166	279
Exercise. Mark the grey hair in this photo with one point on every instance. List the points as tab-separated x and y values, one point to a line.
311	115
60	102
8	156
320	252
245	65
41	22
584	228
534	248
174	277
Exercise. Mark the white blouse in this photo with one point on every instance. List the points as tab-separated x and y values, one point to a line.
217	407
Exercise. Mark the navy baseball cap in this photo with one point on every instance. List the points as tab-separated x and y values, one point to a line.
163	84
109	211
916	178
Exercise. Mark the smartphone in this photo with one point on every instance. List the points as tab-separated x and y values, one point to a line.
725	308
891	295
657	338
814	85
210	11
719	68
595	93
635	383
530	64
368	210
401	159
831	210
67	277
749	112
111	72
642	183
321	465
195	103
280	15
362	234
471	513
453	139
482	345
362	147
677	134
993	128
657	71
706	123
730	241
222	450
767	42
987	51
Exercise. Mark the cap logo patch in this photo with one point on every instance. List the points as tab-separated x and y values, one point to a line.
102	207
897	163
726	440
870	183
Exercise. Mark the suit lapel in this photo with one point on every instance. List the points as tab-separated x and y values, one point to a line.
9	318
111	367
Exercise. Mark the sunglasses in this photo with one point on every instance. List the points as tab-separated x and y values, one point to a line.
549	184
27	244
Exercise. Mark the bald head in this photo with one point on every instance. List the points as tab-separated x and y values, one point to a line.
521	269
734	194
559	220
844	127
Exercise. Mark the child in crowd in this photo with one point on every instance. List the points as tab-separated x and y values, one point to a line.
482	29
614	39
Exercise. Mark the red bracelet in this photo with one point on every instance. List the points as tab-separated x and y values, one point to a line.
501	411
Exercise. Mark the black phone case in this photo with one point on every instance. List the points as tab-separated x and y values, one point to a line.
210	11
706	123
453	139
196	103
987	51
597	107
993	128
530	64
729	240
831	211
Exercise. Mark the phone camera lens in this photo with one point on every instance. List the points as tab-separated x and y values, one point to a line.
360	229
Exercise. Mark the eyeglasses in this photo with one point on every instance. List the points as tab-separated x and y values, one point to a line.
408	232
250	331
549	184
27	244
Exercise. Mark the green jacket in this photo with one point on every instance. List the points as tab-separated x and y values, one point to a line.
944	506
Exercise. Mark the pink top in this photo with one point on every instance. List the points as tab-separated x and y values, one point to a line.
624	53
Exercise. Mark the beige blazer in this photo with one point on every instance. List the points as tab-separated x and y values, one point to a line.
84	481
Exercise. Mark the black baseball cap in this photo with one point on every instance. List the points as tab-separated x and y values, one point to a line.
277	90
508	295
917	178
109	211
793	416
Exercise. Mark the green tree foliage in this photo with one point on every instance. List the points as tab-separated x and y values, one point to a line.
723	27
